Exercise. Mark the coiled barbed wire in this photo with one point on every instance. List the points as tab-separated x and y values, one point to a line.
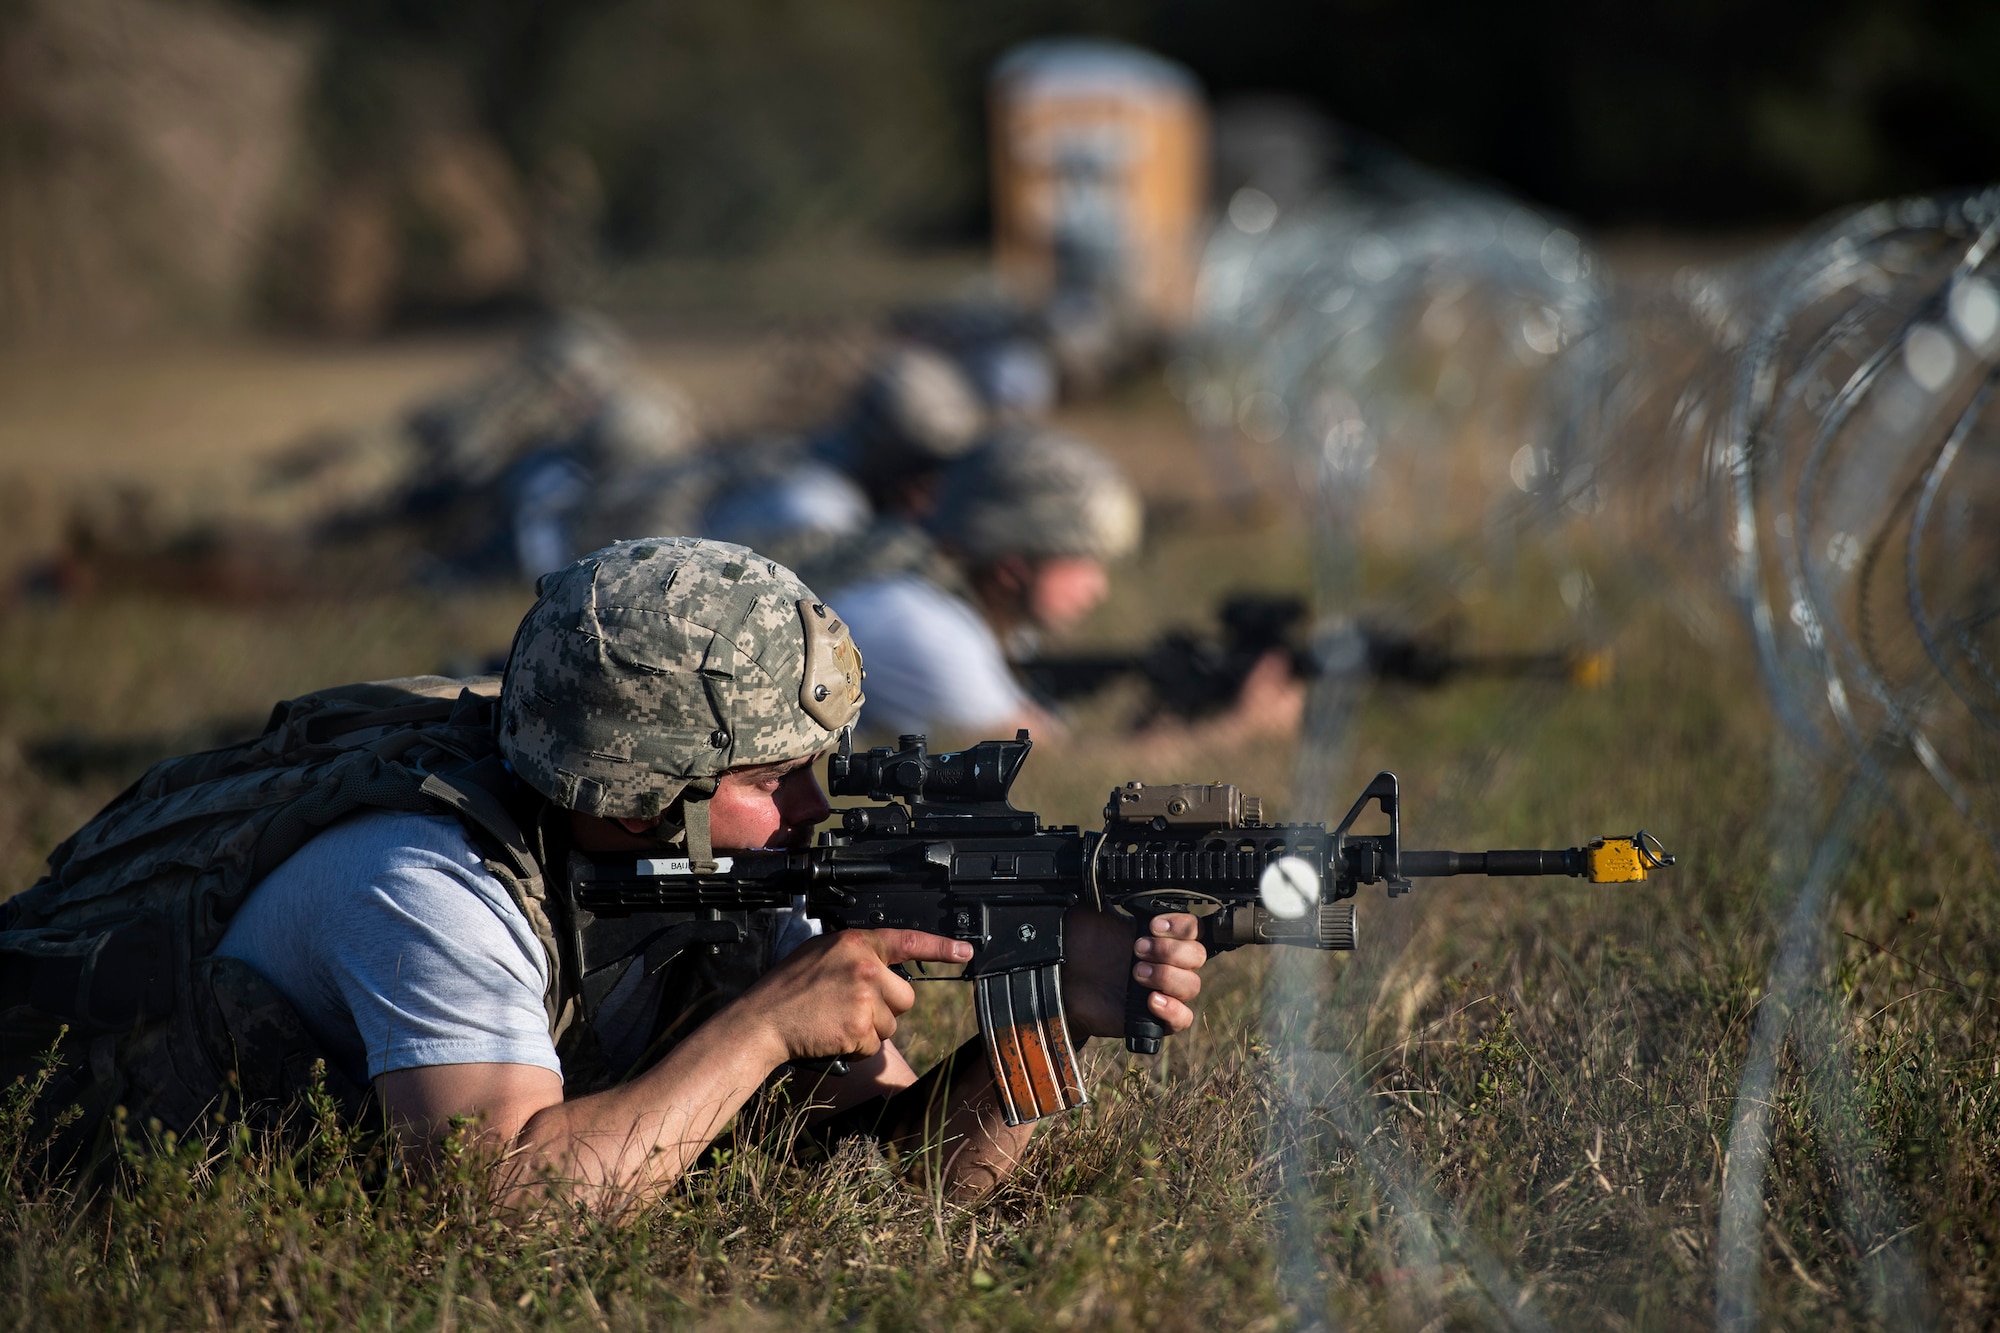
1851	447
1365	331
1862	451
1374	334
1817	426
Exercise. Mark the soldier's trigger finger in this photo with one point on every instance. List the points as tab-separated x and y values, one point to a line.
899	995
916	946
1179	925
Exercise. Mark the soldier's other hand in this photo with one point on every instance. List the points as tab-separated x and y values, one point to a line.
835	995
1272	701
1104	949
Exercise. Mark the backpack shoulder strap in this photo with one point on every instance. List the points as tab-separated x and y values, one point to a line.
478	794
473	801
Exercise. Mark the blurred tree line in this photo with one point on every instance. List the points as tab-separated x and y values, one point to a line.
388	157
1711	113
719	124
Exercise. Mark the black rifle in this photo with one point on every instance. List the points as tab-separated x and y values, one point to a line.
1190	674
946	852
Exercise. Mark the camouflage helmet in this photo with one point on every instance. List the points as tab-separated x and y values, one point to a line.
1037	493
915	409
578	347
653	666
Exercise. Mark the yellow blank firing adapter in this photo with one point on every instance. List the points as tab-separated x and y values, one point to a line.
1624	860
1592	669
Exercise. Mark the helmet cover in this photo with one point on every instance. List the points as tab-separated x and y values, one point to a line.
914	409
656	663
1037	493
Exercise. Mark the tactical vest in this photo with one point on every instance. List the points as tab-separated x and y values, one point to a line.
117	942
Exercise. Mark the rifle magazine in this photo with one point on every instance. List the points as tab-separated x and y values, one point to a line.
1028	1043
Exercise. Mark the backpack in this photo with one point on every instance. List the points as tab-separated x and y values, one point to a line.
116	942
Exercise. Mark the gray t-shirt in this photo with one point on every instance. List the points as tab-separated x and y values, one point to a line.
932	659
399	950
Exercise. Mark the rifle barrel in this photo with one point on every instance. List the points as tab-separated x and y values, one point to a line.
1438	865
1078	675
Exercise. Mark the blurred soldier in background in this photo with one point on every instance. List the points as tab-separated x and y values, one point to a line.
796	507
479	484
912	416
857	486
1025	528
506	464
1003	350
1020	544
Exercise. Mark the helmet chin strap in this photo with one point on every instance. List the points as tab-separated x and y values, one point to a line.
694	819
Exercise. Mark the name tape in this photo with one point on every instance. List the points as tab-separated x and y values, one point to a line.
683	866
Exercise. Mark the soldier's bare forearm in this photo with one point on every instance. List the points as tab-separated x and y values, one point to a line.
948	1123
619	1148
980	1149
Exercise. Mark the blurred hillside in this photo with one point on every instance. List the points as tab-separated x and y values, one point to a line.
144	151
343	165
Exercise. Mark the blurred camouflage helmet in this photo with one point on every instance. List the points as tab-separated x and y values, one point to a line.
915	408
578	346
1037	493
648	668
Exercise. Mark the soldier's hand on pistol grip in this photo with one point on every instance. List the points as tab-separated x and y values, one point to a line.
836	996
1103	950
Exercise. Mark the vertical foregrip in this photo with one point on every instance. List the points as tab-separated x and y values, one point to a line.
1143	1032
1027	1043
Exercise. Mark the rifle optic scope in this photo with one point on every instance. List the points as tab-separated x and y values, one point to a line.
979	775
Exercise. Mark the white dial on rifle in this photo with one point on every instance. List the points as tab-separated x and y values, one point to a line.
1289	887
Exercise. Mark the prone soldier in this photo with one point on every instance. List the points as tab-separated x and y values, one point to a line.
872	470
382	882
1025	533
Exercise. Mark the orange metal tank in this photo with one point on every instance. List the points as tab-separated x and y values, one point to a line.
1099	159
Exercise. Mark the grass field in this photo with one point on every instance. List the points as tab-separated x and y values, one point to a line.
1548	1068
